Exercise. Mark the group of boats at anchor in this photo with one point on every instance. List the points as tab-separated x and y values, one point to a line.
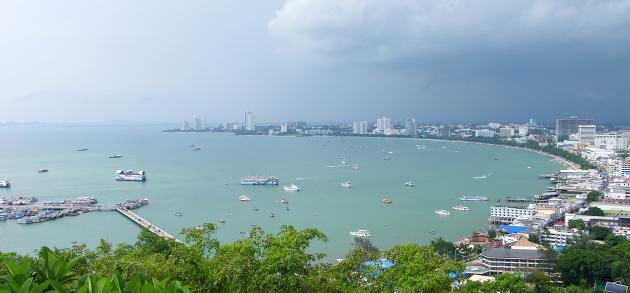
461	207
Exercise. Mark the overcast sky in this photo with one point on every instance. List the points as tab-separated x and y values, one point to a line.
314	60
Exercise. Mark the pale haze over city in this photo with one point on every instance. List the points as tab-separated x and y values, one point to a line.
307	60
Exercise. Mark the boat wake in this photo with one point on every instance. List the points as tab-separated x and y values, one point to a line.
482	177
301	178
336	166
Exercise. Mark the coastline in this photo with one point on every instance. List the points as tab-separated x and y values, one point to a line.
558	159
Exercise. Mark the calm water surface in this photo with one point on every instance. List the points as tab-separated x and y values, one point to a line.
204	185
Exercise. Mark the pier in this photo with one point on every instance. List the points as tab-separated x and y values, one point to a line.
144	223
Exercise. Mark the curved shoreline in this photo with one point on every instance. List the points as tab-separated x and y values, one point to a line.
558	159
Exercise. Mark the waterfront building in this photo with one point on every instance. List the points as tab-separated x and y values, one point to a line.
494	125
185	125
383	123
523	130
484	133
586	134
411	127
610	141
506	132
197	123
558	238
360	127
231	126
532	122
284	128
520	256
566	127
250	123
507	214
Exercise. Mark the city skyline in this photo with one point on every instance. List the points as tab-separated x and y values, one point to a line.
287	61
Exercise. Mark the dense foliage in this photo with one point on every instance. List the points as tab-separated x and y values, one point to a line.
283	262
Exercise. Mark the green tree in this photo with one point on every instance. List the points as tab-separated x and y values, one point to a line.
598	232
503	284
593	196
594	211
577	224
492	234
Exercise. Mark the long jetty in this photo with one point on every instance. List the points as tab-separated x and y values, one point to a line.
145	224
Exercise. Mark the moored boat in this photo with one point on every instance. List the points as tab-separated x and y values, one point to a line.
291	188
410	184
473	198
386	200
361	233
259	180
461	208
130	175
442	212
115	156
244	198
346	184
5	183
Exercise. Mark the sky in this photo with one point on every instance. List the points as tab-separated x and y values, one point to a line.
314	60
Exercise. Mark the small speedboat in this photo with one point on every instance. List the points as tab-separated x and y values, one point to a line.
115	156
442	212
244	198
81	150
196	149
284	201
386	200
222	221
291	188
410	184
42	170
461	208
360	233
355	167
272	215
179	214
346	184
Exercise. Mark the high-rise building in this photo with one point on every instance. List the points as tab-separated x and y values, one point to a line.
185	125
506	132
359	127
284	128
566	127
586	134
250	123
197	123
532	122
411	127
383	123
610	141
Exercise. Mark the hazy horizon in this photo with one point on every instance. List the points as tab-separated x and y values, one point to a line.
314	60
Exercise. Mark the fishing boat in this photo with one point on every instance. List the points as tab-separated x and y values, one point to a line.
284	200
222	221
272	215
81	150
346	184
386	200
42	170
130	175
115	156
196	149
461	208
360	233
291	188
410	184
442	212
244	198
179	214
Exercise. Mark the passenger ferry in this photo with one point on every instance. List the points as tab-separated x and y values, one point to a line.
5	183
130	175
473	198
442	212
360	233
291	188
461	208
259	180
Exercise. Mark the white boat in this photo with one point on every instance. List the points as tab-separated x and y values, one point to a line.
115	156
410	184
442	212
244	198
194	149
291	188
346	184
360	233
473	198
461	208
284	200
5	183
355	167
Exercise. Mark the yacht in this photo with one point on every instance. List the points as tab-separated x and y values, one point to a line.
244	198
442	212
461	208
115	156
5	183
360	233
386	200
355	167
410	184
346	184
291	188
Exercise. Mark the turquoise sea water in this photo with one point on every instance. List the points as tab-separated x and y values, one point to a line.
204	185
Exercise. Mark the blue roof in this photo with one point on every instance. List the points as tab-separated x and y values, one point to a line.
513	229
381	263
